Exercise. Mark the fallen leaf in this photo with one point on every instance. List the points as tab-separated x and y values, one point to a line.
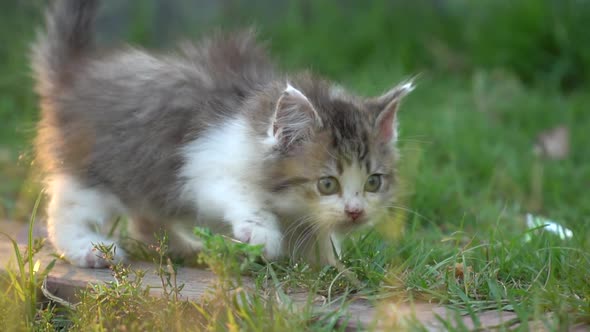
460	270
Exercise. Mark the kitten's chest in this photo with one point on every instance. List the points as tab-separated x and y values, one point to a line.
228	150
223	166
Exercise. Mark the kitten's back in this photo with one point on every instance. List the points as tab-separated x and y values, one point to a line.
117	119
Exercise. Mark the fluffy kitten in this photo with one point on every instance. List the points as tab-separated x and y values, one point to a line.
212	136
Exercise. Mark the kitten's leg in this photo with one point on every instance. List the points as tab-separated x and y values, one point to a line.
181	241
75	214
238	205
256	226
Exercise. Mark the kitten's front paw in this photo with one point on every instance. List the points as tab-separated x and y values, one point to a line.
261	229
90	257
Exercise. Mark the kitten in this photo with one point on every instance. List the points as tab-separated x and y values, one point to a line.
213	136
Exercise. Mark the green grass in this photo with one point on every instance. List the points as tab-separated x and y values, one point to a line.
493	77
467	181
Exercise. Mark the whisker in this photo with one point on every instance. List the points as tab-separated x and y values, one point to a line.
301	238
416	213
295	225
312	233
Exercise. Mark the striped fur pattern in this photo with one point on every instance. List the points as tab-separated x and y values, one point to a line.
211	135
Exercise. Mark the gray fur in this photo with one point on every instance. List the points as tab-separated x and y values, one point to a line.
68	38
119	120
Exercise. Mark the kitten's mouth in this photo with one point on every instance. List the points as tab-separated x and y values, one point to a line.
358	222
350	222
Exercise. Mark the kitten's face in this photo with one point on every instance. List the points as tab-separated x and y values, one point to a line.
349	192
340	174
336	183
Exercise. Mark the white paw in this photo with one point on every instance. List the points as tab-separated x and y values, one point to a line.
261	228
90	257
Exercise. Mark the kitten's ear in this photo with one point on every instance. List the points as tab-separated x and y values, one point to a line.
295	118
385	108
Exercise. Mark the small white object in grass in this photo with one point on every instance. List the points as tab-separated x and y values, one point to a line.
548	225
553	143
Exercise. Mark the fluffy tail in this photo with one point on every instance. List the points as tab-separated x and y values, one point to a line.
68	37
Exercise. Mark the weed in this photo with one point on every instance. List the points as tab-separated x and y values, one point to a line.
22	285
496	74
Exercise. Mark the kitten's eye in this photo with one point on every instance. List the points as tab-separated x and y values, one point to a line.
328	185
373	183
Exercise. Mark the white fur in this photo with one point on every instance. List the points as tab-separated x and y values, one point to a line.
224	186
74	210
294	92
398	92
407	88
352	184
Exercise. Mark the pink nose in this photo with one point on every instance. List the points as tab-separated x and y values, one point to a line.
354	214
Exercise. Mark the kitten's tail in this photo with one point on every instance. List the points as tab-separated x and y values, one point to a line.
68	37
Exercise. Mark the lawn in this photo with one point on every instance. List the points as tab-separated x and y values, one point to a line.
492	77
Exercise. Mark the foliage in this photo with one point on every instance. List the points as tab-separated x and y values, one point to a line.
494	75
19	296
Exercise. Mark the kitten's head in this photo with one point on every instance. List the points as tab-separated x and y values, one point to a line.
334	161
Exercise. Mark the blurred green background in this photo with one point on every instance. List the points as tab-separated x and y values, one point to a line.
493	76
